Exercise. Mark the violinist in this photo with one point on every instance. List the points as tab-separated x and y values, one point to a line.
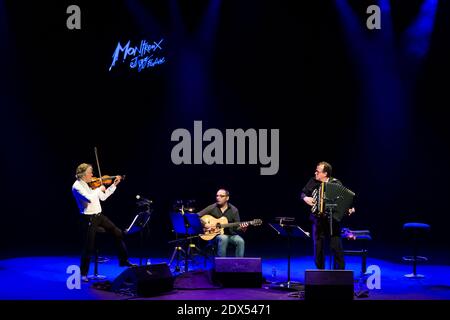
88	192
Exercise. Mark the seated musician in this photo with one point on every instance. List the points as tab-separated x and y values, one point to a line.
232	235
321	226
88	201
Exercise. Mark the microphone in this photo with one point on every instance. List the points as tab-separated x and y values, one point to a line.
145	200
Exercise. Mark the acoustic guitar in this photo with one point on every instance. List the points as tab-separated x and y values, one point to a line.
218	226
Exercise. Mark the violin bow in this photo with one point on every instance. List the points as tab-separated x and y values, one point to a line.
98	165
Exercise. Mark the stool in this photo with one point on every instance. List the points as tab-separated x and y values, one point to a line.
361	253
415	231
362	236
97	259
209	252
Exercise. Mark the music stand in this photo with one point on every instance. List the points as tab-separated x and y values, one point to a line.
287	228
189	225
140	224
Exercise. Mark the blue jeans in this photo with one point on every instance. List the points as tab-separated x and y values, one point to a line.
222	243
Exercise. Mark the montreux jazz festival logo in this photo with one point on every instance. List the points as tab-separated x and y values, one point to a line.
146	55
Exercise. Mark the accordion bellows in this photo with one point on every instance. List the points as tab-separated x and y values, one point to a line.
332	198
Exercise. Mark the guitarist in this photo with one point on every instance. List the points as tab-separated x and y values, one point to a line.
232	235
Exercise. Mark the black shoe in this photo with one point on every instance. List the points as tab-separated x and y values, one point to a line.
127	263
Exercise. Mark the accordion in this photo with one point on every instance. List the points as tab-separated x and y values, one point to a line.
332	197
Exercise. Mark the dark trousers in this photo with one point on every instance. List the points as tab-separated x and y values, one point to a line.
321	232
92	223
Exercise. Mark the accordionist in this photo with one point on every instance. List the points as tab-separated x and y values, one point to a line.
321	227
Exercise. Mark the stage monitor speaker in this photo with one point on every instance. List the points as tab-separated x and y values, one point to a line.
238	272
329	285
148	280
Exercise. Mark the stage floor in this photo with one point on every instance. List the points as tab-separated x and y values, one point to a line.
44	278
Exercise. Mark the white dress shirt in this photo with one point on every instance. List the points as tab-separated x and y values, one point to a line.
88	200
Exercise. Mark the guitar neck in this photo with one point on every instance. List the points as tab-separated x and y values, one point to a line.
234	224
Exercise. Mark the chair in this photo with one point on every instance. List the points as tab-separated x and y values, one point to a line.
415	231
97	258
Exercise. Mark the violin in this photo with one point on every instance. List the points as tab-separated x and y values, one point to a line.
105	180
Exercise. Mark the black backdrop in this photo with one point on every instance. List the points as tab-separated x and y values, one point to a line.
256	64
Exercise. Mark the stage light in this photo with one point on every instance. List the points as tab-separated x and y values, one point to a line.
417	37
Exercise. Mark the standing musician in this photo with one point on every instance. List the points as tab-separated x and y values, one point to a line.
222	208
321	227
88	201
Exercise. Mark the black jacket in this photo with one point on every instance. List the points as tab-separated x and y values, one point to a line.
232	215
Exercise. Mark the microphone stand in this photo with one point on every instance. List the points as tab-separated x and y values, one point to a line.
330	207
145	228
